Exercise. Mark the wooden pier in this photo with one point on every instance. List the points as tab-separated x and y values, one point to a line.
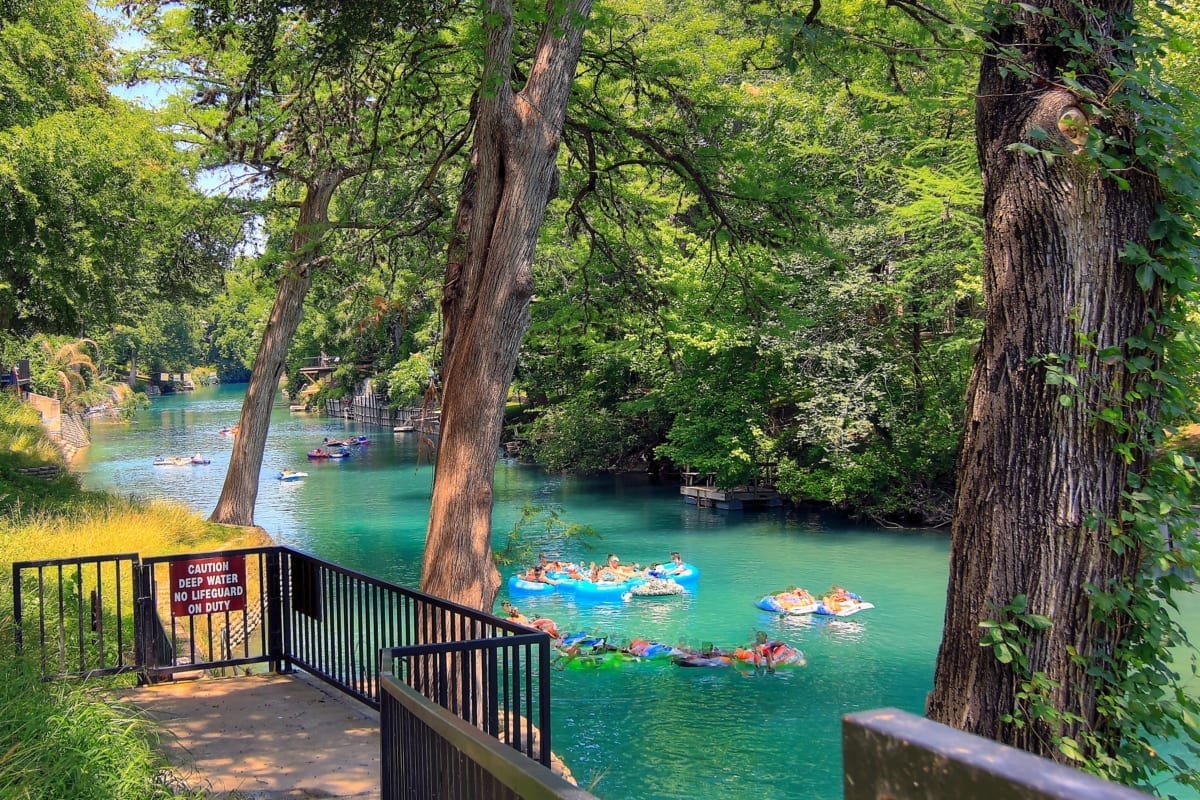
699	489
732	499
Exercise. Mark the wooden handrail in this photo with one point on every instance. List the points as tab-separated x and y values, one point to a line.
891	753
524	776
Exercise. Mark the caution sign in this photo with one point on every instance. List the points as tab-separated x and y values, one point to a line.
208	585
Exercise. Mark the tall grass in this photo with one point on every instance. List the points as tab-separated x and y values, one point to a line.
21	435
23	443
102	524
62	740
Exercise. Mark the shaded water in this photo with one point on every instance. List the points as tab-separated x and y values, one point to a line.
643	730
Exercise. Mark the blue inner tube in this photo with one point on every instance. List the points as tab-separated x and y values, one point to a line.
769	603
518	584
581	639
563	581
685	574
659	650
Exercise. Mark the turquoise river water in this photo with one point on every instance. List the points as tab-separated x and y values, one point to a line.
644	730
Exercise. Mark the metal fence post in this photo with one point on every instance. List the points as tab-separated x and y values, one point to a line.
544	754
275	613
144	621
20	634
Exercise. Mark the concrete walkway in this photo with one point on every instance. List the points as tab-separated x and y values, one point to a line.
266	737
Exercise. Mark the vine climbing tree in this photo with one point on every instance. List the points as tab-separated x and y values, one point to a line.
1066	498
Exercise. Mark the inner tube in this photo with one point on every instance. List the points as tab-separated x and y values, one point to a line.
781	655
685	573
657	587
601	660
581	639
769	603
846	609
607	588
518	585
645	649
775	605
697	660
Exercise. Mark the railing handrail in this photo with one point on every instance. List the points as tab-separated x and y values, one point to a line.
435	648
907	757
72	561
151	560
450	605
525	776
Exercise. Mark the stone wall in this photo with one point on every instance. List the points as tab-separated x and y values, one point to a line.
68	429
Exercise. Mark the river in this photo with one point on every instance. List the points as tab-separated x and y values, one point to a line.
643	730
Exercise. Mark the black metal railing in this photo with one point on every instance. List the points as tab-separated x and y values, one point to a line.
430	754
80	611
337	621
499	685
107	614
211	639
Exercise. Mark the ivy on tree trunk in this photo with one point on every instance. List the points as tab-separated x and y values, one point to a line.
1053	410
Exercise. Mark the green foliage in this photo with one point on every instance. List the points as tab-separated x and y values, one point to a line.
236	320
53	57
776	263
98	221
409	380
582	435
64	740
539	528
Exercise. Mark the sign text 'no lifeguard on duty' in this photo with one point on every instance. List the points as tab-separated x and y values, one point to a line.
208	585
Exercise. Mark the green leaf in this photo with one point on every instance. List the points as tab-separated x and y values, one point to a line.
1070	748
1038	621
1145	276
1022	147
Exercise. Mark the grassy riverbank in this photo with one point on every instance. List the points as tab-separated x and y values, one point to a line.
63	739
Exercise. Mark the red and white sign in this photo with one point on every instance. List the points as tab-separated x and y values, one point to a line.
208	585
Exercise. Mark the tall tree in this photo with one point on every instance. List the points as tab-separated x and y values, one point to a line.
489	284
97	216
53	57
1063	403
308	99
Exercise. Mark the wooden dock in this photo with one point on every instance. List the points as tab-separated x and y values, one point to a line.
732	499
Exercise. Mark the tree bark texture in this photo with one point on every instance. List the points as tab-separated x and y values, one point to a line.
240	490
489	282
1033	472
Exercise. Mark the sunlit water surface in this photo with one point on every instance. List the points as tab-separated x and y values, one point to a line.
644	730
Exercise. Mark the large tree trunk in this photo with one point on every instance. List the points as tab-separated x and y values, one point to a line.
238	495
1036	472
488	285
